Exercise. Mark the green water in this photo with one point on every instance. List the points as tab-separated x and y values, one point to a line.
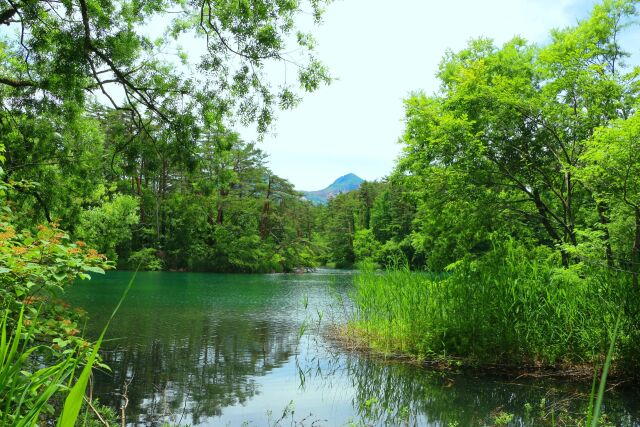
215	349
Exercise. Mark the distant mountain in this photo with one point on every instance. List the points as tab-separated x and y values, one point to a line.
344	184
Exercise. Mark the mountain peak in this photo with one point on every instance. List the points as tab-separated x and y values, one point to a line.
344	184
348	178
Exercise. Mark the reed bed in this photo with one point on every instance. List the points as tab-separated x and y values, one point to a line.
512	306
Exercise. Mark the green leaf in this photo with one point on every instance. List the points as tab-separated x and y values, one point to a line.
61	343
94	269
74	399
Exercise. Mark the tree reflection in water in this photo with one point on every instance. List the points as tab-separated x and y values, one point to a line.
210	349
197	371
395	393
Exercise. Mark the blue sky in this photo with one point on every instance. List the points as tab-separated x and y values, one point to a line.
380	52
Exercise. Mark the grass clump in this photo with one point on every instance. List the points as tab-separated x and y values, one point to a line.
511	306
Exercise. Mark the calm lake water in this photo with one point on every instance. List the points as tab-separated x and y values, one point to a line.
217	349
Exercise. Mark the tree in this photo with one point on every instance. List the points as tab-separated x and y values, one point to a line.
109	225
392	218
338	227
64	51
612	171
365	246
58	157
67	68
507	129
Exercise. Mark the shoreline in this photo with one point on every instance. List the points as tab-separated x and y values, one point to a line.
354	341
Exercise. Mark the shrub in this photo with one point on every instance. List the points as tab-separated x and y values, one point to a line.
41	348
365	245
146	259
109	225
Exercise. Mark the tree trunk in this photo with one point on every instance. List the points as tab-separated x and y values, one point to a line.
570	234
220	215
542	212
635	251
264	217
604	220
138	181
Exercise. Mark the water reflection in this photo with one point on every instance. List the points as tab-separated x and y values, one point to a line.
188	346
216	349
394	393
199	369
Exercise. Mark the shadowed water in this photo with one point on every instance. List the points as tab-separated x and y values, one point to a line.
216	349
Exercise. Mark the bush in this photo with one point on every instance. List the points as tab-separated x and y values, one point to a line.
146	259
110	225
365	245
35	267
392	256
41	348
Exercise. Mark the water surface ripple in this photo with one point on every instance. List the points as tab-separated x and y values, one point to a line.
219	349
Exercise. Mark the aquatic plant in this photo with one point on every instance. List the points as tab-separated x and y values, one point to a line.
511	306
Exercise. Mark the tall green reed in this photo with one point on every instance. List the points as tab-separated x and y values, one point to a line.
512	305
593	417
25	396
73	402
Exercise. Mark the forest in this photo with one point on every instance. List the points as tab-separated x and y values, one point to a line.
509	229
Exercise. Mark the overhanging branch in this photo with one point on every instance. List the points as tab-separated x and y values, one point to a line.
17	83
121	77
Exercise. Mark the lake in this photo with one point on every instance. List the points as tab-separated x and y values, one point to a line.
221	349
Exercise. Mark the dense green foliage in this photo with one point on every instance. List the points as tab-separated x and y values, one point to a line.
372	225
224	212
129	147
57	55
218	209
511	306
41	346
536	142
519	181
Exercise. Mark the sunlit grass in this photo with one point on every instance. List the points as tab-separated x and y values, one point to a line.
513	306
